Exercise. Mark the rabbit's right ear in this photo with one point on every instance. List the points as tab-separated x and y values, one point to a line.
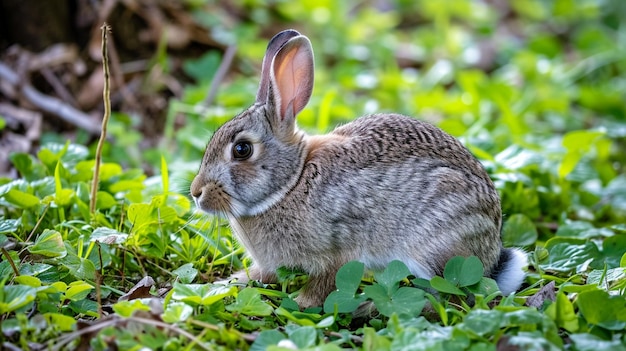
274	45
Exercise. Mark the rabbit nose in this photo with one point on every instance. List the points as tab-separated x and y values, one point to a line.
196	188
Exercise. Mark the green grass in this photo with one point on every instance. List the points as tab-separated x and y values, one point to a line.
544	110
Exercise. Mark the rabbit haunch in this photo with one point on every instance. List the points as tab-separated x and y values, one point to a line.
381	188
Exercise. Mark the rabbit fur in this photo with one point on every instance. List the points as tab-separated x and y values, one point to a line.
383	187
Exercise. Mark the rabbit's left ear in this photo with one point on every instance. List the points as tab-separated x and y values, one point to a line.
291	78
272	48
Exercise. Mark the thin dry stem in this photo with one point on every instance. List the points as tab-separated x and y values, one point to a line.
105	119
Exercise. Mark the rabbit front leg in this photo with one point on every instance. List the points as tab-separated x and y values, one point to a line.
252	273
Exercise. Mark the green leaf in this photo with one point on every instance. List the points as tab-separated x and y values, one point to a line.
590	342
201	294
300	319
582	230
444	286
186	273
606	278
14	297
105	201
62	196
486	286
202	69
176	312
249	302
440	340
108	236
49	243
483	322
140	215
578	143
265	339
390	278
9	225
28	280
566	257
23	163
404	301
344	302
519	230
531	341
612	250
349	276
126	185
452	270
303	337
562	312
78	290
47	157
528	319
61	322
165	179
599	308
372	341
347	280
84	307
109	170
79	267
325	323
570	160
126	308
21	199
461	272
471	271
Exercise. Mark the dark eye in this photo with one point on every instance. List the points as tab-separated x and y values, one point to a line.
242	150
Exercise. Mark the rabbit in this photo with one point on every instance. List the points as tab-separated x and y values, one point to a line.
384	187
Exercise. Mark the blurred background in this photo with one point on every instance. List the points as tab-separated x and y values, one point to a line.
498	74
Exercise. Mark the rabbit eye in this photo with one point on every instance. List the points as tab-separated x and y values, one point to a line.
242	150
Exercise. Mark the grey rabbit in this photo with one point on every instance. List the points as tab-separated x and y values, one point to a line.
383	187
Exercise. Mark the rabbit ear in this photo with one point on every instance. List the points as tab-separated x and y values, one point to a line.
272	48
291	79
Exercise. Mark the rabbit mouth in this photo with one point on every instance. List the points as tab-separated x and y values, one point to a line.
213	199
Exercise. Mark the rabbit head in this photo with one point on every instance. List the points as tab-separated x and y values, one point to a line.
253	160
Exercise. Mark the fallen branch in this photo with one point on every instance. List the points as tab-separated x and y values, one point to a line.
227	60
48	104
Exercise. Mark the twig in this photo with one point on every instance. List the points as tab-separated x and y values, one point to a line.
227	60
354	338
67	338
172	328
208	326
32	232
106	96
99	274
8	257
46	103
114	321
47	73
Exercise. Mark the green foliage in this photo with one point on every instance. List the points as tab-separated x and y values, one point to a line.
347	281
542	108
389	298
